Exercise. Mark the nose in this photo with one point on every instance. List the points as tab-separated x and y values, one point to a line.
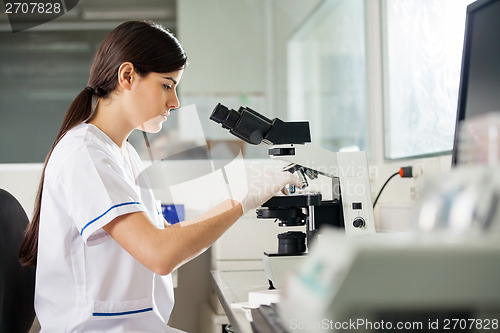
173	101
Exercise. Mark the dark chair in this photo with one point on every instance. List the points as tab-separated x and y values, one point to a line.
17	283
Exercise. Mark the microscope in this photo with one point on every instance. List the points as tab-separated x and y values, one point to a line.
348	204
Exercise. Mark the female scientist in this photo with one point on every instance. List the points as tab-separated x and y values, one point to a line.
103	253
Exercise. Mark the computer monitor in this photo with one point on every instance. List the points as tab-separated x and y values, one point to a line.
479	90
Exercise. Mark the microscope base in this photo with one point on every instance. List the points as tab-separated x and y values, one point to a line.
277	267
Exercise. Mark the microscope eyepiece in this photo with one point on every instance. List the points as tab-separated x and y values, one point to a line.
222	115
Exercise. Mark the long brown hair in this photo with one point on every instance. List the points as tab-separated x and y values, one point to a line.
150	48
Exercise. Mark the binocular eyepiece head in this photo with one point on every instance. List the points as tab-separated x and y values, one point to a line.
253	128
245	123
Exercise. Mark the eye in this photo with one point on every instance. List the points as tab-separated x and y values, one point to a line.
167	87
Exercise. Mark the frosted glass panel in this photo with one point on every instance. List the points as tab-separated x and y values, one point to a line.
326	75
423	52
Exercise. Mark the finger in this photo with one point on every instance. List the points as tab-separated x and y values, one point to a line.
294	180
288	189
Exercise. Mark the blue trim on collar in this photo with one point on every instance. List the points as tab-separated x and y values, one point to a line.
111	314
97	218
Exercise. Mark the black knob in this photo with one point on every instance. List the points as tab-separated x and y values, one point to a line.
358	223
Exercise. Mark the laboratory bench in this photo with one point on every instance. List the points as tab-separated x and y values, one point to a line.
232	289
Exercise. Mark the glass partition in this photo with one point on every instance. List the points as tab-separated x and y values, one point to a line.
327	75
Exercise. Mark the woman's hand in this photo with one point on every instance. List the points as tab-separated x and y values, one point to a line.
262	187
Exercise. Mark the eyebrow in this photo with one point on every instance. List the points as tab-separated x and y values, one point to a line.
170	78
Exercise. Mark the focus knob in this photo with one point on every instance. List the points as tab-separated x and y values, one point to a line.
358	223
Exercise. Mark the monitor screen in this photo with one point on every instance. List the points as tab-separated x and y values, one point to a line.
480	76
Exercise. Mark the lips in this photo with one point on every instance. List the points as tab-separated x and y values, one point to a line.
165	115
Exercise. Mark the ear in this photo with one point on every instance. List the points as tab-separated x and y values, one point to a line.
126	73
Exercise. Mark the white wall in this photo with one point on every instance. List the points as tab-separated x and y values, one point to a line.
21	180
238	47
225	44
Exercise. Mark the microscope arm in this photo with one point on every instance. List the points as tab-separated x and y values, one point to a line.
350	168
309	156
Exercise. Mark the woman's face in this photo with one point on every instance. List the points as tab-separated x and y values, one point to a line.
154	96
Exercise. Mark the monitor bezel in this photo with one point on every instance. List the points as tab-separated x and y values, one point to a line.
472	9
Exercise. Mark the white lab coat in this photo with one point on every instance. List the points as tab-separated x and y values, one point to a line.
85	281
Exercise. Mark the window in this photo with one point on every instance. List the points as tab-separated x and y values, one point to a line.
42	72
423	42
44	68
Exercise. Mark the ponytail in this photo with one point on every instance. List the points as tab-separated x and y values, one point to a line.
79	111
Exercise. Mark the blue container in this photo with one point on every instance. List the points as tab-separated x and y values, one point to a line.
173	213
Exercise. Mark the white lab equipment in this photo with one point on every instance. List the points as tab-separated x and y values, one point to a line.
418	283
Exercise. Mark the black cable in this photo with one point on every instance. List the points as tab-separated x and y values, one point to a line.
380	192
